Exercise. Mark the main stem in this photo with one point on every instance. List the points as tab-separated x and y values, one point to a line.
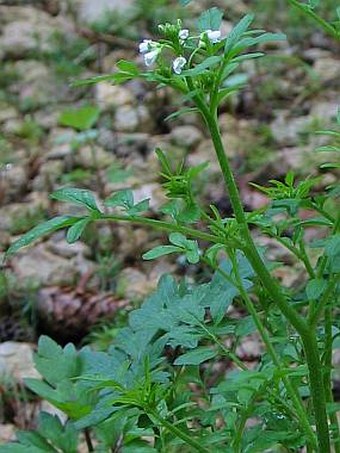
308	337
296	399
252	254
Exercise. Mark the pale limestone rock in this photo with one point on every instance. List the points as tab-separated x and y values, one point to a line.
87	159
28	29
43	267
132	119
186	136
16	361
108	96
327	69
91	11
154	192
287	131
7	433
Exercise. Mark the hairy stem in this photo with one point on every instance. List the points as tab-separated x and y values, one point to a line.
327	364
317	310
250	249
295	397
271	285
317	389
309	12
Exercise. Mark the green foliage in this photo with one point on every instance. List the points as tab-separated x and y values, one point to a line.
332	147
50	436
136	396
78	175
37	232
116	173
180	245
210	19
333	29
67	56
125	200
30	130
80	119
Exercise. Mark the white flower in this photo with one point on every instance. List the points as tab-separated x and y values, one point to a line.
183	34
151	57
146	45
214	36
178	64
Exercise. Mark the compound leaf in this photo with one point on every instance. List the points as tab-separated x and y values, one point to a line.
210	19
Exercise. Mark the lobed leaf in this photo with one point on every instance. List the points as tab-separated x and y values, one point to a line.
41	230
210	19
122	198
315	288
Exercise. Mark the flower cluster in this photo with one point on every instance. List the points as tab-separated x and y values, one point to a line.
152	49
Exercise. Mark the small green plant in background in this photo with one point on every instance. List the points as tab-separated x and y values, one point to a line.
83	120
135	396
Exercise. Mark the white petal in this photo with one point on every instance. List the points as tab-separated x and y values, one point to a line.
179	64
145	46
183	34
151	57
214	35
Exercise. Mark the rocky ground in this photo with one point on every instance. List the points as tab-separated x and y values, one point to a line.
64	290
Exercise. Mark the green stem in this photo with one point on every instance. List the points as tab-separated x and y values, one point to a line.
272	287
298	405
306	261
309	12
164	226
317	311
237	438
301	255
317	389
177	432
250	249
233	357
327	364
